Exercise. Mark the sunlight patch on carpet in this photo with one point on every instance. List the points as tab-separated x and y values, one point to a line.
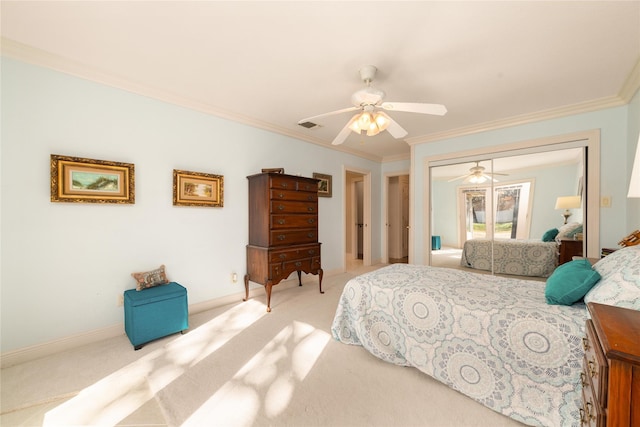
267	382
118	395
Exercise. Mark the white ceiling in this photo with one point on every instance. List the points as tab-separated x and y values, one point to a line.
270	64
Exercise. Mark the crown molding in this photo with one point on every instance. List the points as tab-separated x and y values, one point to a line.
585	107
632	84
628	90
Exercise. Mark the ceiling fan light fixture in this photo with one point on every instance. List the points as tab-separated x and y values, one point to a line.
373	129
382	121
364	121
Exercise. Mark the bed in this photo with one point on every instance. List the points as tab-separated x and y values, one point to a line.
492	338
517	257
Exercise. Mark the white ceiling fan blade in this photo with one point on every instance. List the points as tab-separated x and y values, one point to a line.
344	110
395	129
344	133
414	107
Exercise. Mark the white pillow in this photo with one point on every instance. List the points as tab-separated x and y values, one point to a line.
566	229
620	282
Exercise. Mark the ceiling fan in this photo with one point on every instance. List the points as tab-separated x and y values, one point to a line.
477	175
369	119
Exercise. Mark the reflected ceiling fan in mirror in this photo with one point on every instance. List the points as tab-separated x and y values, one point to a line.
370	120
477	175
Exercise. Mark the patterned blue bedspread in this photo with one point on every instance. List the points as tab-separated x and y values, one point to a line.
492	338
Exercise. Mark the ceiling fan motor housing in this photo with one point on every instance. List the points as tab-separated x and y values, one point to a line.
367	96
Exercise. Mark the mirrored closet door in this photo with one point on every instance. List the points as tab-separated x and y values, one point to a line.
504	203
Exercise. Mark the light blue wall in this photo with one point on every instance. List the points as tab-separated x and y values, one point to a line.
64	265
614	136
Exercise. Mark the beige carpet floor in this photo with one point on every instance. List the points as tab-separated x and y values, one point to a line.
237	366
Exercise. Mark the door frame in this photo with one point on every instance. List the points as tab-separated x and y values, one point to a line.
385	212
347	223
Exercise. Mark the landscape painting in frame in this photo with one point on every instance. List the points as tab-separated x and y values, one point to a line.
324	184
80	180
197	189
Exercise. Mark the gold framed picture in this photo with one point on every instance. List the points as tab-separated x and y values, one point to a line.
324	184
80	180
197	189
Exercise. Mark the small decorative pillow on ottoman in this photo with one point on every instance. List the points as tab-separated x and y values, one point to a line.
149	279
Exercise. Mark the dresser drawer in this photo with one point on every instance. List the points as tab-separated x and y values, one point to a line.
282	270
289	237
294	221
283	206
295	254
595	366
302	196
288	182
591	415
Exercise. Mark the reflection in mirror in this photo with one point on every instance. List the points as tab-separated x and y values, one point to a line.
504	201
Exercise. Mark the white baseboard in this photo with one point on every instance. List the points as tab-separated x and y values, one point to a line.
26	354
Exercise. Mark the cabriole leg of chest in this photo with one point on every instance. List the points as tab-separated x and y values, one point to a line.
268	287
246	287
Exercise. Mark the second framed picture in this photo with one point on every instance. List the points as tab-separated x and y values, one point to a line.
197	189
324	186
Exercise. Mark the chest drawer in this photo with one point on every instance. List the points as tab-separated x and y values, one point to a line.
302	196
288	182
289	237
294	221
295	254
595	367
278	207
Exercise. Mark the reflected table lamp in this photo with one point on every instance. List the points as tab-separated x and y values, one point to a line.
566	203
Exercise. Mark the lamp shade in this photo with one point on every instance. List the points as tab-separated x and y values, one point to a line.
568	202
634	184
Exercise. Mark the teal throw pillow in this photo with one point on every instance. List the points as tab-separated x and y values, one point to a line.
549	235
570	282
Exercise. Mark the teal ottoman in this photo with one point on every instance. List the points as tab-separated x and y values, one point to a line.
155	312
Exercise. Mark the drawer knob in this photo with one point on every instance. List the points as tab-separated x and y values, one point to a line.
585	343
592	369
281	221
311	220
310	235
298	264
310	209
281	195
280	207
284	184
281	237
583	380
309	197
311	251
283	256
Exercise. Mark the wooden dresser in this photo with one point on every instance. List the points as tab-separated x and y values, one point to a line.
611	368
283	230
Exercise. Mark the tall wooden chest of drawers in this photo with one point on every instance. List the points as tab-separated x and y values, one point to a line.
611	368
283	230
